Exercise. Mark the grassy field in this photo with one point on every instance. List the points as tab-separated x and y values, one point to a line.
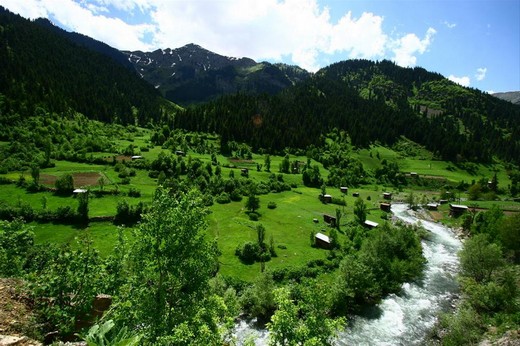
290	224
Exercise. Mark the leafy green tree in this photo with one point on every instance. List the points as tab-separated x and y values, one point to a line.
267	163
510	236
479	258
252	203
64	184
285	164
304	321
360	210
83	199
258	299
170	267
35	174
16	241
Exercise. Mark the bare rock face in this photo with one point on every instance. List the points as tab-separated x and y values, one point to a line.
15	340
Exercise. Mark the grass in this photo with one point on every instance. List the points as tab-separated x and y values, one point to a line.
290	224
102	234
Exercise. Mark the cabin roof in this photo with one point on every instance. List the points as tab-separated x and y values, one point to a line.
371	223
323	237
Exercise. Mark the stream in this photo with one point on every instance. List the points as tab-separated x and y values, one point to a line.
407	318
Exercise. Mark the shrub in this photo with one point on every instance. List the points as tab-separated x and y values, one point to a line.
271	205
133	192
64	185
223	198
254	216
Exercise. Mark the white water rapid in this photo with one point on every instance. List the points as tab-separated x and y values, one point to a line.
403	319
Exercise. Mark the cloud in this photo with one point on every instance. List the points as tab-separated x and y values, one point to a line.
297	31
449	25
481	73
464	81
407	47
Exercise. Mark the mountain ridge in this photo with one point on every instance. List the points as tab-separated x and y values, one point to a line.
193	74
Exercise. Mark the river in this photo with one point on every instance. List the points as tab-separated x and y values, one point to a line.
407	318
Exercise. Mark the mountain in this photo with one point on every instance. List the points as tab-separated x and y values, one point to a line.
43	68
87	42
192	74
511	96
370	101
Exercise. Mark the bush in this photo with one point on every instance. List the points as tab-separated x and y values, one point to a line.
271	205
254	216
223	198
248	252
64	185
133	192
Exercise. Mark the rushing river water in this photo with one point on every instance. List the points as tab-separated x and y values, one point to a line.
403	319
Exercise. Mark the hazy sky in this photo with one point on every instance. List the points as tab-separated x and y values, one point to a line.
473	42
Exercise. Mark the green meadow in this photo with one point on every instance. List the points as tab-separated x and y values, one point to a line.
290	224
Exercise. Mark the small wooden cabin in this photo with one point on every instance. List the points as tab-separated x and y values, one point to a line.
326	198
137	157
385	206
180	153
323	241
457	209
432	206
370	224
414	174
331	220
343	189
355	194
387	195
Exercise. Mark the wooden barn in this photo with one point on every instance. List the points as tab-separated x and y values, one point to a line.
385	206
432	206
322	241
331	220
343	189
457	209
370	224
387	195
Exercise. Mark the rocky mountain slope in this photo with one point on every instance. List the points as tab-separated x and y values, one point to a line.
511	96
192	74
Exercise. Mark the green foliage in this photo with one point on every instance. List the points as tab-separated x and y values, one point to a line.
258	299
360	210
104	334
252	203
64	287
64	185
16	241
127	214
480	259
82	211
304	321
271	205
463	328
170	268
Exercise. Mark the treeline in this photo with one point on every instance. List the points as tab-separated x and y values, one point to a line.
43	68
371	102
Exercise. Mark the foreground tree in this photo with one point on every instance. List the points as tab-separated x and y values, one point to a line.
170	267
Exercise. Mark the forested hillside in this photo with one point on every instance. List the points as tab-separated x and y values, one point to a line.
43	68
372	101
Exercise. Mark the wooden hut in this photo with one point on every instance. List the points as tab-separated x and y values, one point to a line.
387	195
432	206
355	194
323	241
343	189
331	220
385	206
457	209
370	224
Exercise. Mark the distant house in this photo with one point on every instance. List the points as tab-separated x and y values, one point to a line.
137	157
326	198
457	209
385	206
244	172
414	174
343	189
387	195
78	191
432	206
443	201
331	220
355	194
322	241
180	153
370	224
